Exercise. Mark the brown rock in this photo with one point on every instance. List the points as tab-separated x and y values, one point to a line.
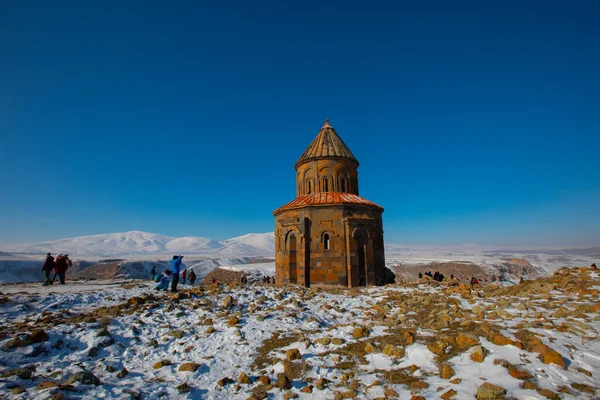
447	372
548	394
338	341
393	351
283	382
548	356
519	373
456	381
437	347
449	394
389	392
322	383
478	354
465	341
419	385
233	321
360	332
417	398
528	385
307	389
161	363
225	381
371	348
294	369
39	336
490	391
323	341
244	379
293	354
500	340
264	379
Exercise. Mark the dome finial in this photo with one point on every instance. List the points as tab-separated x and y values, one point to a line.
326	125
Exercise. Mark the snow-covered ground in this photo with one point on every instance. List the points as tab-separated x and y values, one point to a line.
321	324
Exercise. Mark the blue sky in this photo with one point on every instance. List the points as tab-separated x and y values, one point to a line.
473	122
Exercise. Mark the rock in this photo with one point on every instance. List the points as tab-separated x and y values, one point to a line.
584	371
293	354
294	369
437	347
176	333
189	367
478	354
337	341
18	390
209	330
417	398
548	394
489	391
519	373
84	377
584	388
264	380
183	388
549	356
233	321
228	302
122	373
360	332
161	363
225	381
500	339
371	348
244	379
389	392
21	340
465	341
447	372
39	335
283	382
449	394
322	383
455	381
528	385
290	395
92	352
103	332
417	385
23	373
393	351
323	341
307	389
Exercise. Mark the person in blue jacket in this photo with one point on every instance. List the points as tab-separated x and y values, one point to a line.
175	264
162	280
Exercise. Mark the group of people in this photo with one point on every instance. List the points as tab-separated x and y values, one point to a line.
60	265
172	276
268	279
438	276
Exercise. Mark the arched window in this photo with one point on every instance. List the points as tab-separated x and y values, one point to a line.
326	241
325	185
309	187
342	185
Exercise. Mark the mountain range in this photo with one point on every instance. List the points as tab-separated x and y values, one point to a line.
138	243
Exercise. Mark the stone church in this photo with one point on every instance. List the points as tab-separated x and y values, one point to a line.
329	235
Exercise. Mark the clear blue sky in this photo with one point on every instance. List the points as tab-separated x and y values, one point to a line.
473	122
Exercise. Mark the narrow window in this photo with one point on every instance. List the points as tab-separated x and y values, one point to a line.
325	185
343	185
326	241
309	187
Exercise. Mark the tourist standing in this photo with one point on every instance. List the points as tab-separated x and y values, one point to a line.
153	272
192	277
60	268
47	268
183	274
175	265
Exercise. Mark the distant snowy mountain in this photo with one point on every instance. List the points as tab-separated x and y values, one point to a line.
137	243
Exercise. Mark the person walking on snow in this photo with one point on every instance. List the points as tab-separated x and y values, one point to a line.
153	272
192	277
47	268
61	265
183	274
175	265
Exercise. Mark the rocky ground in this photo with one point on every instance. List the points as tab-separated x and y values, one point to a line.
417	340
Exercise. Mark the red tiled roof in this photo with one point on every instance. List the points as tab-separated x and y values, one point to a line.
323	199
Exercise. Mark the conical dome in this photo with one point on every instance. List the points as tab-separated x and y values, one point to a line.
326	144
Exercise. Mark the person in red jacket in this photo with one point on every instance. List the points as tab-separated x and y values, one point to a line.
60	267
47	268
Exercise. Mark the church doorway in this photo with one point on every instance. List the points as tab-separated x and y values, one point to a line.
293	258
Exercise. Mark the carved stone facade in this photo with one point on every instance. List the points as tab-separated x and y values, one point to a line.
329	234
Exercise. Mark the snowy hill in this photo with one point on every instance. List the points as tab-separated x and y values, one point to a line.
137	243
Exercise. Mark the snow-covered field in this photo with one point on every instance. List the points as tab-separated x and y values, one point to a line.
381	341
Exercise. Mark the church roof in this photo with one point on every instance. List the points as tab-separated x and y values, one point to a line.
326	144
325	199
